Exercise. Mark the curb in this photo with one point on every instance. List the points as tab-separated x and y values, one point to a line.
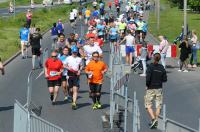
19	52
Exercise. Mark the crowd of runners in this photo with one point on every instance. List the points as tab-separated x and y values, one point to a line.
76	53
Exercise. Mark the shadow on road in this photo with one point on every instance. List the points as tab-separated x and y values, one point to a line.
83	105
6	108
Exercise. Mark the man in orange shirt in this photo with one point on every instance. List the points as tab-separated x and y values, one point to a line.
95	70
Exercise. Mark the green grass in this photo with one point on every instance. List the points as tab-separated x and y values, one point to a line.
171	20
19	2
42	18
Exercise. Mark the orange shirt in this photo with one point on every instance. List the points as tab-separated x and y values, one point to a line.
96	68
110	3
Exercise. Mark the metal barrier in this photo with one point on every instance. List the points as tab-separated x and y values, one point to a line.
25	121
168	125
119	74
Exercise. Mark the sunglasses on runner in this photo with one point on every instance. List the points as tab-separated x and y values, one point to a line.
54	56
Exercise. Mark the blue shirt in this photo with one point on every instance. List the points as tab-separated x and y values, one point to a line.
63	59
54	31
95	13
113	34
60	28
100	29
145	27
24	32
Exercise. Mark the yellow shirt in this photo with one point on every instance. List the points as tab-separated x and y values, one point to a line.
87	13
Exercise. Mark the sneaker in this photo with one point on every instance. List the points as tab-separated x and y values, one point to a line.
94	107
154	124
53	103
189	65
65	98
194	66
74	106
51	97
98	105
180	70
23	57
185	71
143	75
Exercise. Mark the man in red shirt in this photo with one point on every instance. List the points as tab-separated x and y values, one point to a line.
53	72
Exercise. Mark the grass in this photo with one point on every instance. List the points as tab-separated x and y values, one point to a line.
171	20
19	2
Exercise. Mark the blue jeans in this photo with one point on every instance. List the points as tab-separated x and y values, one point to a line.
193	59
163	57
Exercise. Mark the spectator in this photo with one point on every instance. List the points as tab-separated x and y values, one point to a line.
164	45
1	67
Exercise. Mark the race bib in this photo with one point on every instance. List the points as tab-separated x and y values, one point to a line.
53	73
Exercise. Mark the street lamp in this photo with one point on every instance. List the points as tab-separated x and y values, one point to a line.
185	17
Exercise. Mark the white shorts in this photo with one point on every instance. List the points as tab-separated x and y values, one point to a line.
24	42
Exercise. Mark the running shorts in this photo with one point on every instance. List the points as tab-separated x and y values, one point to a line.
53	83
95	88
129	49
64	78
36	51
73	81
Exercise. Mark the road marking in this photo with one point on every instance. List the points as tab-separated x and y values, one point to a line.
41	73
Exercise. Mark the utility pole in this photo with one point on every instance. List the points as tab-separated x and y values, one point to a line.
158	14
185	17
14	8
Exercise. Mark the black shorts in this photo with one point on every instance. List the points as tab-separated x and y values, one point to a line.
71	21
95	88
64	78
113	40
138	32
36	51
53	83
73	81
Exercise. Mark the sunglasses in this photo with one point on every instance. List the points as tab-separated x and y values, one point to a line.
54	56
96	56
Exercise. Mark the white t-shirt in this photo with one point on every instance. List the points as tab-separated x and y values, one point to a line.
71	16
130	40
89	50
75	12
127	8
73	62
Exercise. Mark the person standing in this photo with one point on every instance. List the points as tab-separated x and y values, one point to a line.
53	71
193	59
28	18
184	54
95	71
164	45
74	67
155	76
35	42
24	35
143	58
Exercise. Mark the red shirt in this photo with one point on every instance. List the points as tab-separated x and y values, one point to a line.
99	41
53	66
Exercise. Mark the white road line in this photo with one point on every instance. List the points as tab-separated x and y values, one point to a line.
41	73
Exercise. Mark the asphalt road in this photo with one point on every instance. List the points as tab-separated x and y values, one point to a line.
181	95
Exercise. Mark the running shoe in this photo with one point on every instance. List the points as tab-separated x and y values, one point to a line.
65	98
185	71
180	70
94	107
98	105
154	124
51	97
143	75
74	106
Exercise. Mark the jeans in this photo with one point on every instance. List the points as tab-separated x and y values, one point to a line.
144	65
163	57
193	59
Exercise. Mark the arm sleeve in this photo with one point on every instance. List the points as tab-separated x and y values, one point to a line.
148	76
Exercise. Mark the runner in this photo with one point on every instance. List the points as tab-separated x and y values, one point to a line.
24	37
35	42
130	44
63	58
101	30
61	43
95	70
113	34
53	72
72	19
87	15
122	27
139	32
110	5
60	26
90	48
94	4
75	14
54	36
2	67
28	18
74	67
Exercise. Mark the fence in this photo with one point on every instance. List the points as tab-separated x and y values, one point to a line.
168	125
25	121
119	74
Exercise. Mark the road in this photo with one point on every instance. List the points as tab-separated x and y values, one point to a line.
181	95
